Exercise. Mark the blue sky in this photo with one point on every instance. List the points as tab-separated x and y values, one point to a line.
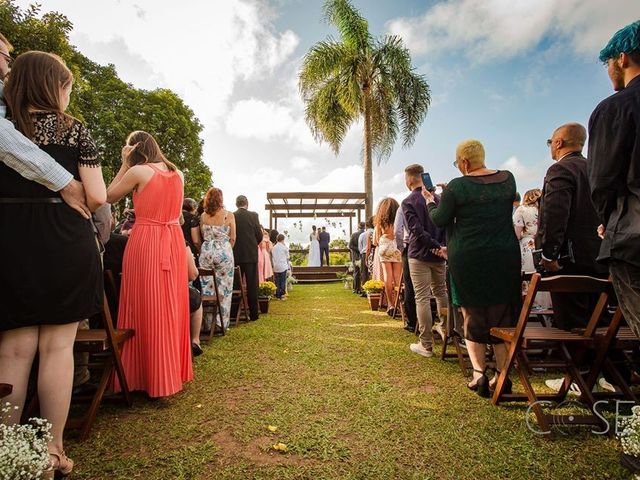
506	72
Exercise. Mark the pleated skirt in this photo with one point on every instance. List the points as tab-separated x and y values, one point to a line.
155	303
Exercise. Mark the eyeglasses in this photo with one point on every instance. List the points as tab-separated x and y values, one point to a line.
549	142
455	163
8	58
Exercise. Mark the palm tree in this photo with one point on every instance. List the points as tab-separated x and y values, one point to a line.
360	77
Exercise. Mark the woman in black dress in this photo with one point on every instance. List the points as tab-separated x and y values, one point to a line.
51	275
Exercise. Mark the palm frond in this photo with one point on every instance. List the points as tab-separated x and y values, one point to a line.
328	120
320	63
352	26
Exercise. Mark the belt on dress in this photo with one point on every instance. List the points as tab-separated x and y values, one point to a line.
165	238
31	200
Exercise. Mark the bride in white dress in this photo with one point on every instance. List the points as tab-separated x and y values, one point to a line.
314	249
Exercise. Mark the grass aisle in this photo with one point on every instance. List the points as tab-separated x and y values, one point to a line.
349	400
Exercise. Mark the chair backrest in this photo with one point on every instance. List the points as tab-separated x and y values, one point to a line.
565	284
573	284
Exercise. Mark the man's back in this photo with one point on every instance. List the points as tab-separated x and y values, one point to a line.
567	214
248	236
324	239
614	172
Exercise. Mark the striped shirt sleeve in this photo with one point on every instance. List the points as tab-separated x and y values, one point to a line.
24	156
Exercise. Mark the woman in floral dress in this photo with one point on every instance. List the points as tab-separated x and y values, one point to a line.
218	228
525	222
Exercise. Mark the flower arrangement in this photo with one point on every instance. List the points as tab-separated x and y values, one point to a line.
373	286
23	448
630	432
267	289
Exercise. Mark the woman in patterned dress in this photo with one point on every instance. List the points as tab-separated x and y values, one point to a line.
525	221
218	228
51	276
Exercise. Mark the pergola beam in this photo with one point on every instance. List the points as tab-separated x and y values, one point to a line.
314	206
311	215
317	195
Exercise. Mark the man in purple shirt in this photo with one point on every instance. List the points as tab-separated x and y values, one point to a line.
427	269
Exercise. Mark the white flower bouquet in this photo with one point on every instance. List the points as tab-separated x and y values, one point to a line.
629	428
23	448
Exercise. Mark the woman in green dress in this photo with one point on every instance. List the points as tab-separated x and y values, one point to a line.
483	254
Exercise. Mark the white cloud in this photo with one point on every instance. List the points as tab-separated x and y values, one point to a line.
200	49
259	119
501	29
527	177
301	163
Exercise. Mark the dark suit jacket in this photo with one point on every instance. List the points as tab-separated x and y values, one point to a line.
324	238
566	213
353	245
248	236
423	233
614	172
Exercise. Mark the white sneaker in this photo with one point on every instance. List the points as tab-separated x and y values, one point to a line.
420	350
556	383
604	385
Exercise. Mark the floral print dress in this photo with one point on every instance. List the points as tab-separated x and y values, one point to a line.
216	253
526	217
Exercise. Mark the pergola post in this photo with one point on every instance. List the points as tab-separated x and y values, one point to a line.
350	227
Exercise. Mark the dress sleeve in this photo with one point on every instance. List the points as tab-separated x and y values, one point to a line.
88	149
444	213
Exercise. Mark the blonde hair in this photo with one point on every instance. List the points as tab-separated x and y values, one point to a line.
472	151
532	197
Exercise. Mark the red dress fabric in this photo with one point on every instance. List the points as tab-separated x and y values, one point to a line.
154	299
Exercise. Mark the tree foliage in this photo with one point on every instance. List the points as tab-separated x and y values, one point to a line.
109	107
361	77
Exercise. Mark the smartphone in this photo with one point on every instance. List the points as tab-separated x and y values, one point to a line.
428	184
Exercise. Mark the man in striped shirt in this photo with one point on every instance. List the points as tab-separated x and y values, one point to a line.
23	156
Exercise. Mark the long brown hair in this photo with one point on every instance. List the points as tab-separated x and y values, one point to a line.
34	83
213	201
146	150
386	212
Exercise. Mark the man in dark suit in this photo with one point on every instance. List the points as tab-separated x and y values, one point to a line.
245	251
355	257
324	238
567	224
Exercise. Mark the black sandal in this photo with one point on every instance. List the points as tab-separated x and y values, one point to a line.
481	387
508	384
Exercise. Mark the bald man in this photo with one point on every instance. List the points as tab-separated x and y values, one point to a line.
567	223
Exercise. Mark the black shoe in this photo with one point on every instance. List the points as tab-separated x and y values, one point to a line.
481	387
196	350
410	328
508	384
391	312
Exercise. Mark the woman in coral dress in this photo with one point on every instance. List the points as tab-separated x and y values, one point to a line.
265	269
154	299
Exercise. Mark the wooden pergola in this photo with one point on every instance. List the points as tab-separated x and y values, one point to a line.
315	205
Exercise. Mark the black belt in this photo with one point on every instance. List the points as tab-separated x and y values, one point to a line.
32	200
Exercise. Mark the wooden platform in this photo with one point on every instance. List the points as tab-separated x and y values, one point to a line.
318	274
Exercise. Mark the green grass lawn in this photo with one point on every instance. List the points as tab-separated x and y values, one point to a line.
349	400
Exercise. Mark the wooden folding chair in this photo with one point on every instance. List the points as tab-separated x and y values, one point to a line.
523	337
398	304
239	297
211	304
605	341
105	345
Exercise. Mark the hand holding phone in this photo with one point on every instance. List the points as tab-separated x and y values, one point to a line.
426	181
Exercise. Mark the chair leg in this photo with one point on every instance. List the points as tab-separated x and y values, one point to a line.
90	417
116	362
504	373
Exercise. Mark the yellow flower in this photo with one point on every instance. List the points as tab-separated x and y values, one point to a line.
280	447
272	428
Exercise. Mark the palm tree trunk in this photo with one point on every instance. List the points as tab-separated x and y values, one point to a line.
368	168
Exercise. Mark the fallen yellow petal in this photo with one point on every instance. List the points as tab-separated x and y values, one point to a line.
272	428
281	447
